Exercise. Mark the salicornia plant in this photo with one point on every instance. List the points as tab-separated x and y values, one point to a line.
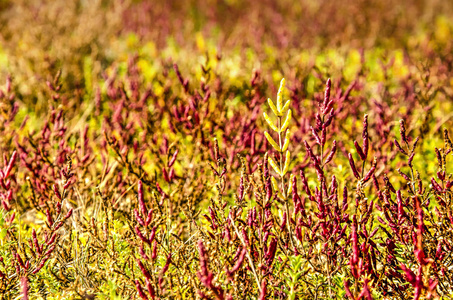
283	114
151	176
283	142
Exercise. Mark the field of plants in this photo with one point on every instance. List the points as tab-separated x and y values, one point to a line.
226	149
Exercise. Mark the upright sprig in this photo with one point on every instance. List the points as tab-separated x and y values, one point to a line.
281	147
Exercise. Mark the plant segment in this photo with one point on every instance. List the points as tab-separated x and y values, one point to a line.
281	147
283	114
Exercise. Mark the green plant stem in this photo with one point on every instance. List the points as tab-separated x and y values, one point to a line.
288	217
279	123
248	256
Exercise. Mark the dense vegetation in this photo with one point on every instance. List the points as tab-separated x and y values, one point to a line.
142	158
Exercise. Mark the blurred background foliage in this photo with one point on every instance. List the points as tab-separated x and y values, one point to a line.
82	38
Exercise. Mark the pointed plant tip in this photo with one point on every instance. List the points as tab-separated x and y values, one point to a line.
328	84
